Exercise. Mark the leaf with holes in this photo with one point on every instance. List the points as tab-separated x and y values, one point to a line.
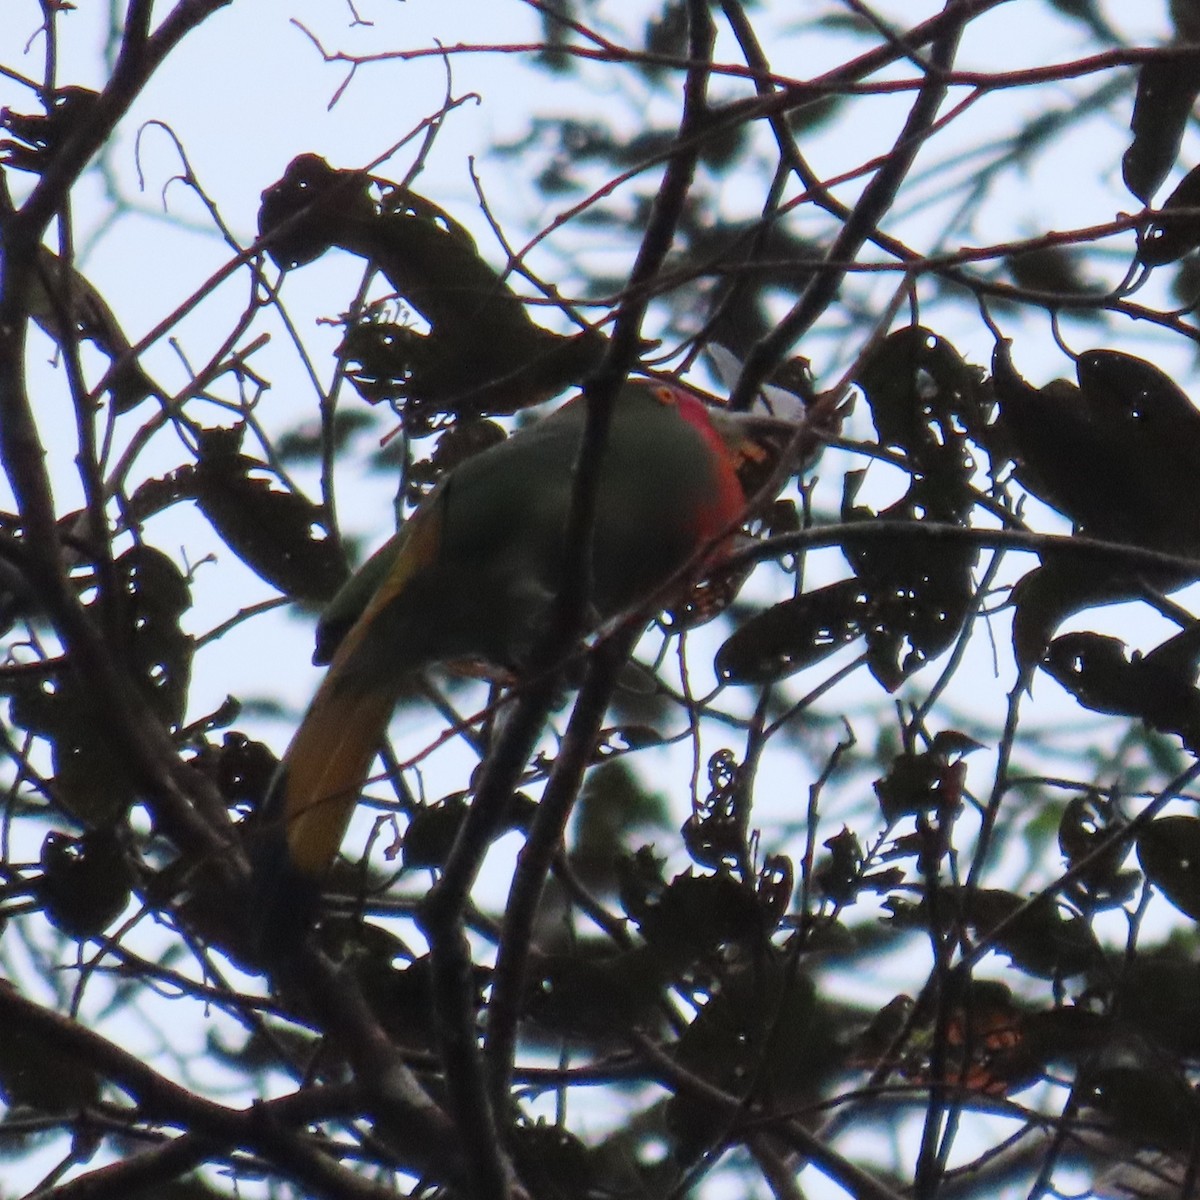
1169	852
1177	230
280	535
793	635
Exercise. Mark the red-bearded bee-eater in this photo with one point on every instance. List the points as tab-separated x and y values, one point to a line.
472	576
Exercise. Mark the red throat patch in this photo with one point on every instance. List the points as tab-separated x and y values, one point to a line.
727	500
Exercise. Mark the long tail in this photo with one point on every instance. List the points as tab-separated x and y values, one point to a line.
316	787
310	802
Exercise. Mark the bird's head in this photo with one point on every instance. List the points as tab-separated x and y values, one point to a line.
756	440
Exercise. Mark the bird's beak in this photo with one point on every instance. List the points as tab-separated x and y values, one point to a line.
756	441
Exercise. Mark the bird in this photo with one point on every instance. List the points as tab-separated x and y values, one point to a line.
471	577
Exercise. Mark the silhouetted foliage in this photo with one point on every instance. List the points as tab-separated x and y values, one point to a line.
872	861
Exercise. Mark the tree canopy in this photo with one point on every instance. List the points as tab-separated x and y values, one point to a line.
870	866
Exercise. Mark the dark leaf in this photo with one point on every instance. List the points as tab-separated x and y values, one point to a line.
715	833
1132	393
1185	19
432	829
553	1161
1185	284
431	833
159	652
1174	234
401	997
483	353
600	996
1117	455
776	880
244	769
923	398
1090	821
159	493
464	439
302	214
557	17
636	147
919	591
695	914
794	634
38	136
666	33
750	263
838	876
953	743
1169	852
1061	457
810	116
1145	1100
91	783
920	782
1158	688
280	535
1047	595
1158	995
641	881
1070	1034
91	780
85	882
764	1030
1085	11
1166	91
1044	940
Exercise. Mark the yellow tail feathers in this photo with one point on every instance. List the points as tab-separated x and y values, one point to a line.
307	810
324	768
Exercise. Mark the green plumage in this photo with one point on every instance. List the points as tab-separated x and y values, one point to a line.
500	519
472	576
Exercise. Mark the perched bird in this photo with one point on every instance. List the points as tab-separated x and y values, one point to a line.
472	576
